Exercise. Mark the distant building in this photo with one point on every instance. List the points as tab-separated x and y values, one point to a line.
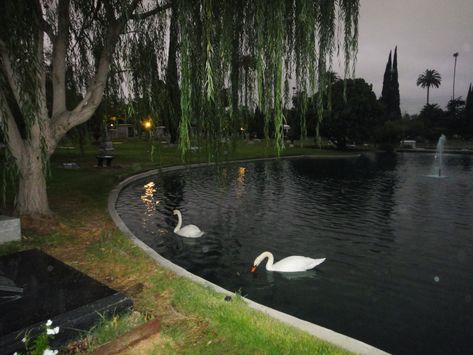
121	131
411	144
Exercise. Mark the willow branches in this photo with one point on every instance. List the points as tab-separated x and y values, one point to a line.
284	40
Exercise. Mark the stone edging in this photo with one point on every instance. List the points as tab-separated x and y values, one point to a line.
320	332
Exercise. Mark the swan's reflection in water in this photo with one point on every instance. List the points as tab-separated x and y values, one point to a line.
311	274
273	286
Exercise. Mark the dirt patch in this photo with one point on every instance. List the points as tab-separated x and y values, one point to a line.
130	339
152	345
135	289
40	225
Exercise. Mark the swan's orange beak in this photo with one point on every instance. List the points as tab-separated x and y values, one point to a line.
253	268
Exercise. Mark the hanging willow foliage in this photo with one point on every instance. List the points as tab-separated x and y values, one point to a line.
176	60
305	55
255	51
350	13
282	42
186	88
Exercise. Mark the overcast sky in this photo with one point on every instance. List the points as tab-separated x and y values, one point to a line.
427	33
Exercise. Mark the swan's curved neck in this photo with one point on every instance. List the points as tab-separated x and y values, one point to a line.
179	221
264	255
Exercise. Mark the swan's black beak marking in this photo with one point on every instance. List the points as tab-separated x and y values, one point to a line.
253	268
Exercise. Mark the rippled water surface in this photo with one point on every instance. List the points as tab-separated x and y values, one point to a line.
398	242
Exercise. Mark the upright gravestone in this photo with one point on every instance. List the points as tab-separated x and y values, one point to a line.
10	229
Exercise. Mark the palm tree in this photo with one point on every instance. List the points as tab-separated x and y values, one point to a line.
429	78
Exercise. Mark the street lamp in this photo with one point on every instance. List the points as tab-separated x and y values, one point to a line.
454	72
148	125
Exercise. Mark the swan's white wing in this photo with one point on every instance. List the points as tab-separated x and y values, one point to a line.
190	231
296	263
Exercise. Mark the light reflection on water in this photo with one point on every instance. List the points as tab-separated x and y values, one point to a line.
148	198
398	243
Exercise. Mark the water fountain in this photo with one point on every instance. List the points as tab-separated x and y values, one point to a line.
438	163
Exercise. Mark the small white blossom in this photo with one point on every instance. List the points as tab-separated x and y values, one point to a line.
23	340
53	331
49	322
49	352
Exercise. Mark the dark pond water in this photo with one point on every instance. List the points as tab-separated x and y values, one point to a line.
398	243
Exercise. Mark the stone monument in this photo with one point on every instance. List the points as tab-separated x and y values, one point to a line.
10	229
105	154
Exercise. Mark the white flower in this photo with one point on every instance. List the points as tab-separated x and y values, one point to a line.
23	340
49	352
53	331
49	322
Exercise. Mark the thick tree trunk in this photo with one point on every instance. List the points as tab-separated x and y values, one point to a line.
32	141
32	198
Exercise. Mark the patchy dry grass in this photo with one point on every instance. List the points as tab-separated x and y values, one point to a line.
193	319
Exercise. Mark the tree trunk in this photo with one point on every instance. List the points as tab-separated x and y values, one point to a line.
32	198
32	141
428	87
172	82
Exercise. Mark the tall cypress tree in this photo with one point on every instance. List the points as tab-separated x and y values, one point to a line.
390	94
469	100
468	114
386	92
395	110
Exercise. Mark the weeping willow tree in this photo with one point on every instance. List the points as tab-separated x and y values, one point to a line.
257	50
95	41
252	49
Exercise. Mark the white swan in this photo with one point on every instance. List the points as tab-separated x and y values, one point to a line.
293	263
189	231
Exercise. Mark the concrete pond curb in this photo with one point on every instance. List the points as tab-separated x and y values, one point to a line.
320	332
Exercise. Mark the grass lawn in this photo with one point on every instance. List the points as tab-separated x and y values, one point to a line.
194	319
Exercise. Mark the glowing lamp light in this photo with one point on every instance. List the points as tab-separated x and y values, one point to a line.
147	124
